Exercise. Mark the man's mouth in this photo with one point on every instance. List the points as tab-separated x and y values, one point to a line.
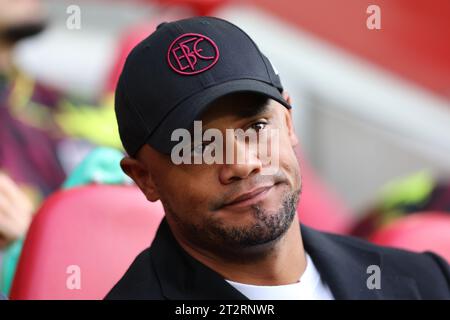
249	198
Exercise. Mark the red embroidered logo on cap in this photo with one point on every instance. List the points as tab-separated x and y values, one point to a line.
192	53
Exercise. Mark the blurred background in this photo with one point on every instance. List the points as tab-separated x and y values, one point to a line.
371	105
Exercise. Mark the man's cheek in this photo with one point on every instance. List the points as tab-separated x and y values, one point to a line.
291	169
201	200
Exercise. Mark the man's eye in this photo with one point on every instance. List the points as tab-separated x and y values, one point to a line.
198	149
258	126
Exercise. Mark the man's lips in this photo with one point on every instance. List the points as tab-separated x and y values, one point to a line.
249	198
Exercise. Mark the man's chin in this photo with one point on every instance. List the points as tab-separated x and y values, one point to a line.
249	242
259	228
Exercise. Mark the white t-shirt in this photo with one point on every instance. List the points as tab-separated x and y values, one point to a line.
310	287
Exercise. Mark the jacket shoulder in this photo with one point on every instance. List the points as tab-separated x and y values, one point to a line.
430	271
139	282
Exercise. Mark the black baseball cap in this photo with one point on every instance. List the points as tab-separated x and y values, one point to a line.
172	76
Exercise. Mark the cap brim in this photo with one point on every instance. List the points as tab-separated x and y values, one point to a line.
186	112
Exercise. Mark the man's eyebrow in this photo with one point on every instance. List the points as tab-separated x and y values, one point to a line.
258	107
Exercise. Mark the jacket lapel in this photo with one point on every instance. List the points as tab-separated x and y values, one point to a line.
343	263
184	278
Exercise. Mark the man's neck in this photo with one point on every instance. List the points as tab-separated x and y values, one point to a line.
283	264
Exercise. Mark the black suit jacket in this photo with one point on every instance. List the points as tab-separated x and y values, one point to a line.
166	271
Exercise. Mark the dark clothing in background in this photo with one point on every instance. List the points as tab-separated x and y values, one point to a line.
28	138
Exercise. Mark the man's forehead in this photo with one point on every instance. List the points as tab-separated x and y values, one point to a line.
235	107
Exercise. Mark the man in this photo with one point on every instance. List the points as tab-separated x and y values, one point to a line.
230	229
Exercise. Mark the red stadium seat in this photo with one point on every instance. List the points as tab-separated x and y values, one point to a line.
93	232
319	207
418	232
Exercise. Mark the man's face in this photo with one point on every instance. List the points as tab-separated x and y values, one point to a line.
234	206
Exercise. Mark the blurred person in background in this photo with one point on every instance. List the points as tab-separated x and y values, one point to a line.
29	164
28	135
36	140
44	136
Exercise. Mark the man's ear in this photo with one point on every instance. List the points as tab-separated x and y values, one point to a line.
287	97
137	171
288	118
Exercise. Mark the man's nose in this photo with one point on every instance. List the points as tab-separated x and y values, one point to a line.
244	164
